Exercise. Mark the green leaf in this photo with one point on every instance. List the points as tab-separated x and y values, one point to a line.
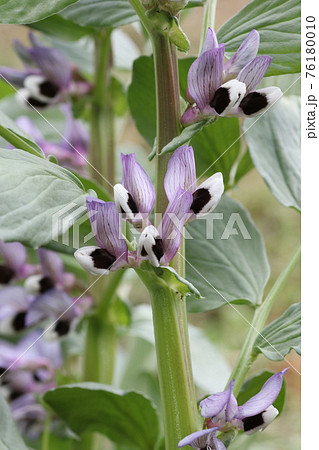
9	435
125	417
281	336
28	11
226	258
175	281
278	22
101	13
38	199
62	28
253	385
16	137
217	147
274	145
186	134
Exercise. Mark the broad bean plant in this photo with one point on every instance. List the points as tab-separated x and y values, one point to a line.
120	155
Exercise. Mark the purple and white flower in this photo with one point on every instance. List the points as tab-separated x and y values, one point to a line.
203	440
181	172
14	265
72	151
216	88
48	77
254	415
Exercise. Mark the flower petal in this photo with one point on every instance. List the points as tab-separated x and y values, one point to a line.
14	255
260	421
259	101
53	64
41	88
138	184
208	194
181	172
106	227
211	41
205	76
246	52
265	397
199	439
254	72
176	215
229	95
214	404
52	266
13	76
95	260
150	245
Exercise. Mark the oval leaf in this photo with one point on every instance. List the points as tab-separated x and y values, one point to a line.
274	145
281	336
278	22
28	11
126	417
226	258
101	13
38	199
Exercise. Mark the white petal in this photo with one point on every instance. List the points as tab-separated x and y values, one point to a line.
84	258
259	101
228	96
151	244
266	417
124	202
208	194
33	84
32	284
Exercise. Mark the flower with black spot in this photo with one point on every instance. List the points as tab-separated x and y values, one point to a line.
215	88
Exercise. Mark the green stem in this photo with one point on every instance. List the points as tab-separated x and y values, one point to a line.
174	367
45	444
102	122
247	355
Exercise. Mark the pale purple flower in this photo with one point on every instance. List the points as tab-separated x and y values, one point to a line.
181	172
14	304
14	264
254	415
216	88
72	150
47	78
29	415
203	440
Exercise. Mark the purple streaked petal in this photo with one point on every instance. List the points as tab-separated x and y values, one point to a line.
176	215
14	255
137	183
23	52
265	397
214	404
75	132
246	52
181	172
254	72
211	41
106	227
205	76
53	65
199	439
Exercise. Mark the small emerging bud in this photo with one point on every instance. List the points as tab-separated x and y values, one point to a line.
173	6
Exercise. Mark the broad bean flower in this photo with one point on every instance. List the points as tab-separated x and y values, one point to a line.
133	201
72	150
223	413
218	88
48	77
